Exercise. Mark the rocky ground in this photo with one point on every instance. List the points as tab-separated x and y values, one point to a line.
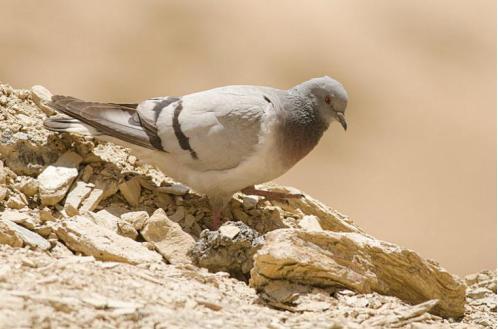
90	237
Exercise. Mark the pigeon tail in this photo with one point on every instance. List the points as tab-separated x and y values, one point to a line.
121	121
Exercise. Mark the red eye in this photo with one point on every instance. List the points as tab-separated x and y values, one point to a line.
327	99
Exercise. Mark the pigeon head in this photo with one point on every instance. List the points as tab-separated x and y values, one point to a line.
329	96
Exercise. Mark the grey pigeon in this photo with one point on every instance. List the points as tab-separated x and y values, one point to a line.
219	141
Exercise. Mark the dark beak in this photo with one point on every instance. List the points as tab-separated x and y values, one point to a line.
342	119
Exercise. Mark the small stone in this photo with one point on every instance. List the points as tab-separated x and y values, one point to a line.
105	219
77	194
175	188
16	202
87	173
57	178
230	249
3	192
168	237
178	215
249	201
131	191
163	200
92	200
82	235
479	293
310	223
19	218
9	236
27	185
126	229
30	238
136	218
229	231
70	210
46	215
189	220
5	272
41	96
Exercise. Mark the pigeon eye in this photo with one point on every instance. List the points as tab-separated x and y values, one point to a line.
327	99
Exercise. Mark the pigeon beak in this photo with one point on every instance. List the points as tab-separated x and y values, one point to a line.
342	120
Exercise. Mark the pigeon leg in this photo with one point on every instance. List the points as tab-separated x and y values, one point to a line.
271	195
216	223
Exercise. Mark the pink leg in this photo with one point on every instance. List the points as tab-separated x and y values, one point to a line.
216	223
271	195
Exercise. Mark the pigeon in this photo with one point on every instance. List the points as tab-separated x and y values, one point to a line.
219	141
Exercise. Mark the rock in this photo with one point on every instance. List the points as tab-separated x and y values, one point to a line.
136	218
178	215
41	96
27	185
250	201
357	262
168	238
230	249
80	234
3	192
20	218
77	194
229	231
87	173
126	229
106	219
174	188
131	191
163	200
310	223
57	178
16	201
46	215
9	236
29	238
92	200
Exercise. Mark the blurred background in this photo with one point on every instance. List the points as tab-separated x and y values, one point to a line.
417	165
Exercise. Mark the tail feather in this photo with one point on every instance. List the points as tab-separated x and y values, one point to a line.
91	118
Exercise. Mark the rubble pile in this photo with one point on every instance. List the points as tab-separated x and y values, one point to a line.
89	234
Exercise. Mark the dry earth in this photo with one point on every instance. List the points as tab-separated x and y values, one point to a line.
90	237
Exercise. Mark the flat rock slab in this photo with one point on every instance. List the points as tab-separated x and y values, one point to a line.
168	238
81	234
11	233
57	178
359	263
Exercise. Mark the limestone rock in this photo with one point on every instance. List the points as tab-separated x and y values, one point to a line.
126	229
16	201
3	192
57	178
41	96
106	219
310	223
230	249
357	262
174	188
78	193
29	238
136	218
27	185
92	200
131	191
80	234
20	218
168	237
9	236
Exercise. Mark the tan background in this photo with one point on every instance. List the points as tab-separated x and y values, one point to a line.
416	167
